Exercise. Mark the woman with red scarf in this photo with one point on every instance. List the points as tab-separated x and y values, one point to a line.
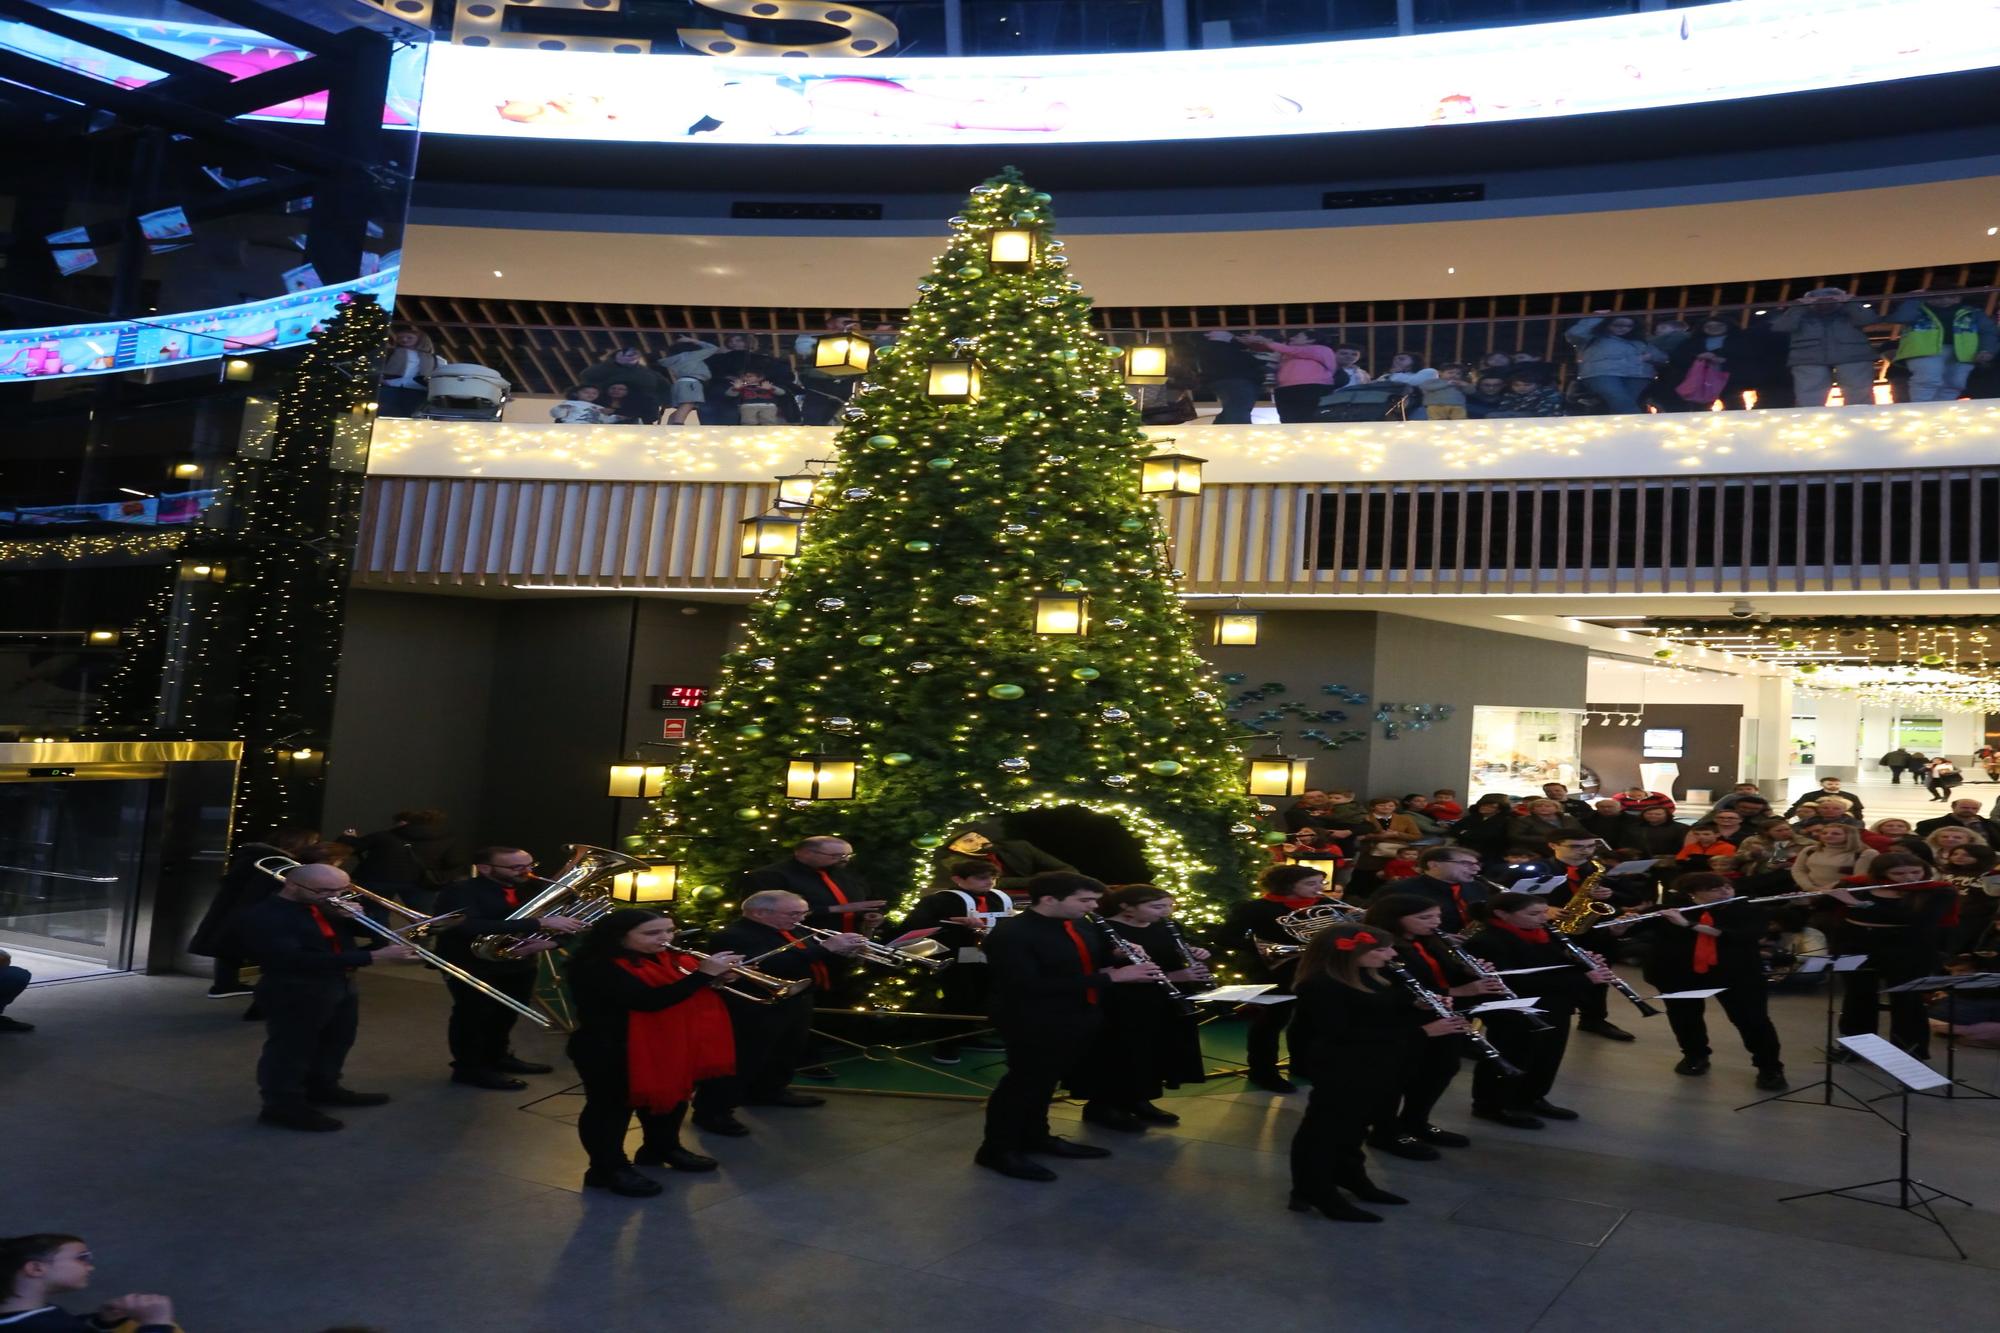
1355	1032
650	1027
1284	889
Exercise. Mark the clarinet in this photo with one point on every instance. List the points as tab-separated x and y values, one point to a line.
1440	1006
1479	968
1618	984
1187	958
1132	953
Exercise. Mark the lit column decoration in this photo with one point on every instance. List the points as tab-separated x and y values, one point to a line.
1170	474
1237	629
841	354
770	537
820	778
1064	613
1010	250
1146	364
795	490
1278	775
637	781
655	884
953	382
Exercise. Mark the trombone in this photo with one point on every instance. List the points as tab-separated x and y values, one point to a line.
765	988
924	953
346	901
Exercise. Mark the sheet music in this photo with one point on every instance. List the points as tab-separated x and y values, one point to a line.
1849	962
1528	1002
1691	994
1239	995
1898	1064
1523	971
1540	888
1644	867
1812	963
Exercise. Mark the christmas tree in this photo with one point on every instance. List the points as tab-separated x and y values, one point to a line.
981	614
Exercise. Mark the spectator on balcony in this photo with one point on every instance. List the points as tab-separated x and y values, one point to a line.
753	398
1233	373
1306	371
1445	396
1496	362
687	371
740	356
1725	352
1529	396
825	394
1828	345
1612	361
1488	392
1943	340
884	336
1350	371
644	392
406	369
581	406
616	405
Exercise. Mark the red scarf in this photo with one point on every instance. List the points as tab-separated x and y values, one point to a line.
822	975
1417	946
1083	956
1531	936
832	887
668	1051
1704	945
326	929
1292	904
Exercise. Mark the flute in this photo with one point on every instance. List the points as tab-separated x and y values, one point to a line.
1441	1006
1691	907
1133	954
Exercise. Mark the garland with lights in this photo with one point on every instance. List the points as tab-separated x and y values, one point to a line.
80	546
979	613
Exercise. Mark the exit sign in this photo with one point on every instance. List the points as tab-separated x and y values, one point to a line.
673	728
679	696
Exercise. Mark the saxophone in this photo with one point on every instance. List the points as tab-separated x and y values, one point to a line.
1580	913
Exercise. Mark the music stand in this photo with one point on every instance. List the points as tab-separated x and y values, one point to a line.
1825	1084
1912	1195
1951	985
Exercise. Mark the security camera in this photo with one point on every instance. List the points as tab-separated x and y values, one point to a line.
1742	611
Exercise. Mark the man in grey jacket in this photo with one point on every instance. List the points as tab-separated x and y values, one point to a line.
1829	342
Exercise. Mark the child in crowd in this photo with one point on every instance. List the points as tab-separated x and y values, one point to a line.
1444	397
1701	844
1487	394
756	399
579	407
1529	396
35	1268
1445	807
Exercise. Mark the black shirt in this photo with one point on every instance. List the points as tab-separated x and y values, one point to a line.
1563	986
795	876
605	995
1347	1033
1670	960
751	938
285	939
485	904
1039	974
1439	891
935	909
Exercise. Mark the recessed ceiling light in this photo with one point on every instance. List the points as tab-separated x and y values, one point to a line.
1993	231
1451	270
498	274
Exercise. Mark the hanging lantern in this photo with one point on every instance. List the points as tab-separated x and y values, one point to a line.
655	884
770	537
185	470
795	490
238	370
301	762
1237	629
1010	250
1170	474
1146	364
635	781
820	778
101	638
841	354
953	382
1326	863
203	571
1278	775
1062	615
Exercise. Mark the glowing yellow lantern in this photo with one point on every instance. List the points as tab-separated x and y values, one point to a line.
1170	474
1278	775
820	778
954	381
655	884
1237	629
633	781
1010	250
841	354
1062	615
1146	364
770	537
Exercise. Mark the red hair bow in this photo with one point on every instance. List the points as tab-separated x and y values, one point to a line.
1353	942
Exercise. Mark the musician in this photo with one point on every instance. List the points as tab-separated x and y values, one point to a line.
1576	858
1148	1041
479	1029
1355	1030
1051	970
650	1029
771	1039
1899	931
961	914
307	957
1696	949
1285	889
242	885
1015	859
1447	878
1518	935
1411	922
819	871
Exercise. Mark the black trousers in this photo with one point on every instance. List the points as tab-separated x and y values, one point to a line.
1748	1009
1327	1149
229	970
1039	1055
1300	402
1860	1000
1260	1041
480	1025
1432	1065
771	1044
607	1113
1538	1055
309	1028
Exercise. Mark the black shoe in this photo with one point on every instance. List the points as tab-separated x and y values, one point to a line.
1153	1115
298	1117
1270	1080
675	1156
486	1078
1013	1164
229	992
14	1025
515	1065
337	1096
790	1098
1368	1191
1332	1207
1548	1111
1692	1064
1606	1029
726	1125
1055	1145
1110	1117
817	1073
1440	1138
1772	1080
1405	1146
1511	1119
623	1180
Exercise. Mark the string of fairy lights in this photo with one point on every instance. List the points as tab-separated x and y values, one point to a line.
1950	663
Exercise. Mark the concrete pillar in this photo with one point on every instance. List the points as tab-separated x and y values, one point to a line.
1174	25
1770	762
1838	753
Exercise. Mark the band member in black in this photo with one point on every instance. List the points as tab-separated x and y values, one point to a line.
819	870
307	957
1699	948
1448	878
502	879
1900	934
771	1039
1578	858
244	885
962	913
650	1030
1284	889
1410	921
1353	1036
1148	1041
1517	936
1051	970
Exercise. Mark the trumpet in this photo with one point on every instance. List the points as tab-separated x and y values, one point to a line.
925	953
764	988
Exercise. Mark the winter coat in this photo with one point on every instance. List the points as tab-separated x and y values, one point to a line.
1605	355
1972	330
1826	338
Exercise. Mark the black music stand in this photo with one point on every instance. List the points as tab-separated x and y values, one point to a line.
1912	1195
1951	985
1824	1083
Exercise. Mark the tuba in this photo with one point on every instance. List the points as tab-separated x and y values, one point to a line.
572	893
1579	914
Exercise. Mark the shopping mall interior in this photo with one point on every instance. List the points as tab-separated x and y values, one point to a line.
481	478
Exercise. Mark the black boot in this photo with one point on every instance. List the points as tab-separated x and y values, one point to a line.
1330	1206
622	1179
1366	1190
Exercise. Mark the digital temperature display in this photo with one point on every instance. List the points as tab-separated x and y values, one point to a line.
679	696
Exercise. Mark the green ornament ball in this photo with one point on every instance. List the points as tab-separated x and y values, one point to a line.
918	546
971	271
1131	524
1031	415
1085	673
751	732
1663	652
1809	668
781	606
712	707
1063	354
927	841
1166	768
944	464
1788	643
870	641
748	812
1273	839
1071	585
1005	692
1042	198
883	441
895	759
1025	215
632	842
1932	659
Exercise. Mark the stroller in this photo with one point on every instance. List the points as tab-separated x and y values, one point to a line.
1377	400
462	392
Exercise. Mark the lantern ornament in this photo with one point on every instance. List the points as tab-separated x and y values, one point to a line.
637	781
1237	629
203	571
820	778
841	354
655	884
953	381
795	490
1170	474
770	536
1278	775
1062	614
301	762
101	638
1010	250
1146	364
1326	863
238	370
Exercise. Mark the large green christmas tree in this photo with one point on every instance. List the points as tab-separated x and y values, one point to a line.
903	634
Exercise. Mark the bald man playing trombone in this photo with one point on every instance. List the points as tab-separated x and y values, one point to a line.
308	957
